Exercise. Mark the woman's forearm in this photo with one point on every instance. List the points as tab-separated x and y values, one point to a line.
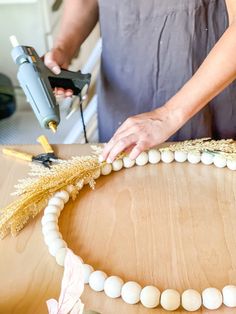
217	72
78	20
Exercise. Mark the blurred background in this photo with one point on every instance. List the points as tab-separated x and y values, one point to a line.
35	23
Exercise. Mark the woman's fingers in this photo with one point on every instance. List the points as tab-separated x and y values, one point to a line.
53	60
124	138
129	149
59	91
51	63
140	133
115	139
68	93
138	149
130	144
56	59
119	146
133	136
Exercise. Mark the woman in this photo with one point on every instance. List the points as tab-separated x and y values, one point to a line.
163	64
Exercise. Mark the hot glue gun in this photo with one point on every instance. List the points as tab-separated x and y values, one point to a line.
38	82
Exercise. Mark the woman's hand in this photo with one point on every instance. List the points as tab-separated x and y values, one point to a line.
143	131
139	133
56	59
78	20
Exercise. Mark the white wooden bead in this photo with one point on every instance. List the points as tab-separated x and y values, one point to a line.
130	292
170	300
60	256
194	157
64	195
97	174
52	235
207	158
49	226
106	169
231	164
180	156
55	245
113	286
49	217
191	300
142	159
150	297
87	269
51	209
56	201
154	156
80	258
167	156
229	295
97	280
128	163
212	298
117	165
219	161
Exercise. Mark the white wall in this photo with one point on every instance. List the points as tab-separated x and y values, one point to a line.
33	23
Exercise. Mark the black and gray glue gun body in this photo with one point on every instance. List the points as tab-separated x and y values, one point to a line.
38	83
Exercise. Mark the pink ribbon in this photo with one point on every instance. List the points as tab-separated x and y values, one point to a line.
72	287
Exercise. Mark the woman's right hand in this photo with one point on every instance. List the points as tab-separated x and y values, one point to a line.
56	59
78	20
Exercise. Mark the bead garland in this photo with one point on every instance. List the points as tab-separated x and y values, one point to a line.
131	292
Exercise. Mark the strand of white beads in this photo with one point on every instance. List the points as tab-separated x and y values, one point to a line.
131	292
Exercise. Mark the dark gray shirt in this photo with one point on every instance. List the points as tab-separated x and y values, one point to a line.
150	49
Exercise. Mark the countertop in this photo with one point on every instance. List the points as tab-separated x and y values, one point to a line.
170	225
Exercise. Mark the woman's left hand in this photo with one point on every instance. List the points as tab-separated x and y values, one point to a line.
139	133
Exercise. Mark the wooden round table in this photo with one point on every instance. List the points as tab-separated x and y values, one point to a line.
170	225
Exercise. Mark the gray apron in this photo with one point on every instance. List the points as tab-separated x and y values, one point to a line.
150	49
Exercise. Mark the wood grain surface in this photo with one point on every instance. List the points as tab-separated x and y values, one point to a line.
168	225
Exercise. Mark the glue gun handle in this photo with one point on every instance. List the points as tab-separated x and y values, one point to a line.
70	80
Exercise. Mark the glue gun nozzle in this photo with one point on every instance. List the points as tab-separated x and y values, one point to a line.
52	126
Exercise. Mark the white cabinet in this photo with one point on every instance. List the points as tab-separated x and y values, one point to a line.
33	22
